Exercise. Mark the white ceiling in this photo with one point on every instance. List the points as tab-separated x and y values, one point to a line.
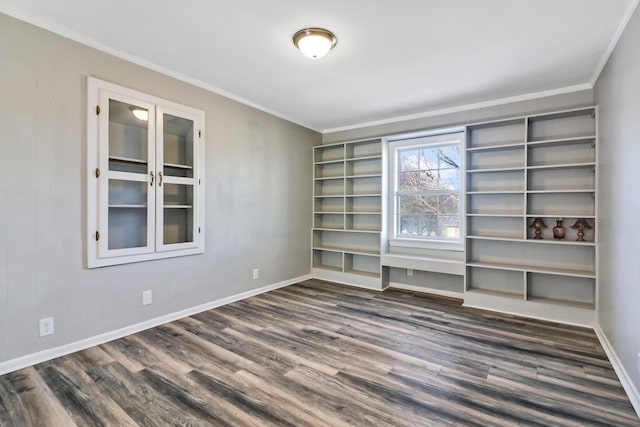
393	58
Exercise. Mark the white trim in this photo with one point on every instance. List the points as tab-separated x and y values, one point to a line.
466	107
418	243
623	376
67	33
439	292
52	353
614	42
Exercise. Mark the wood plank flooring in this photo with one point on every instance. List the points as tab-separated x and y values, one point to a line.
320	354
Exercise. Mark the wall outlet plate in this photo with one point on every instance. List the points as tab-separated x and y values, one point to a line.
46	326
147	297
409	272
256	273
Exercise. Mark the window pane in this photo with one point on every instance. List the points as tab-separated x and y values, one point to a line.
408	205
428	226
448	226
428	204
408	160
409	181
450	179
428	159
450	156
448	204
408	225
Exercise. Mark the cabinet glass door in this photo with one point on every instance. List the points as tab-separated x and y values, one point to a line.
126	133
176	193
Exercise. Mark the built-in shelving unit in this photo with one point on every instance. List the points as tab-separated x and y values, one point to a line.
540	166
145	190
348	212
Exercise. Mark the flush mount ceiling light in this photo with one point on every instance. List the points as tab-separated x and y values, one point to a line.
140	113
314	43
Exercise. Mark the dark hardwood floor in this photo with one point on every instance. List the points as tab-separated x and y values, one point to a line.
320	354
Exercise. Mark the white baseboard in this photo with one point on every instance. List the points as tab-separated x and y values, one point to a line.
52	353
627	384
414	288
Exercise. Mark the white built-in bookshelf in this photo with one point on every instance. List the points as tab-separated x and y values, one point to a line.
348	212
540	166
517	170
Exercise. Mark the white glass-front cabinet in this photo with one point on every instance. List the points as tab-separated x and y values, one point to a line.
145	177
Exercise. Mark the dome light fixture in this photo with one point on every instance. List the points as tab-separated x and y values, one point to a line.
314	43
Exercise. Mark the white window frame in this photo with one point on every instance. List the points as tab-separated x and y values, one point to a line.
422	139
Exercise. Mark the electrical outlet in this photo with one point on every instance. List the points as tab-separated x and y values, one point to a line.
256	273
46	327
409	272
147	298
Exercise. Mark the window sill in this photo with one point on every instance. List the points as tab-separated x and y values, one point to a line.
429	244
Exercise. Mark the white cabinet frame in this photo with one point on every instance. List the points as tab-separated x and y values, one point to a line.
99	93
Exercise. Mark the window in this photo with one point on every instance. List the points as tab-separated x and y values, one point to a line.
427	189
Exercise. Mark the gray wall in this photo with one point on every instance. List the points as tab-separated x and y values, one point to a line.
618	94
258	198
514	109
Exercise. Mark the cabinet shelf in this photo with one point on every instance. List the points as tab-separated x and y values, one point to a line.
346	250
122	206
348	230
534	269
497	147
355	159
575	190
562	166
178	166
559	215
178	206
494	192
508	169
499	294
533	241
364	273
127	160
563	141
362	195
328	162
328	268
372	175
562	302
329	178
363	213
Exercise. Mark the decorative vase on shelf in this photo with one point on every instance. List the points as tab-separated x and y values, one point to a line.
538	224
559	230
581	225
